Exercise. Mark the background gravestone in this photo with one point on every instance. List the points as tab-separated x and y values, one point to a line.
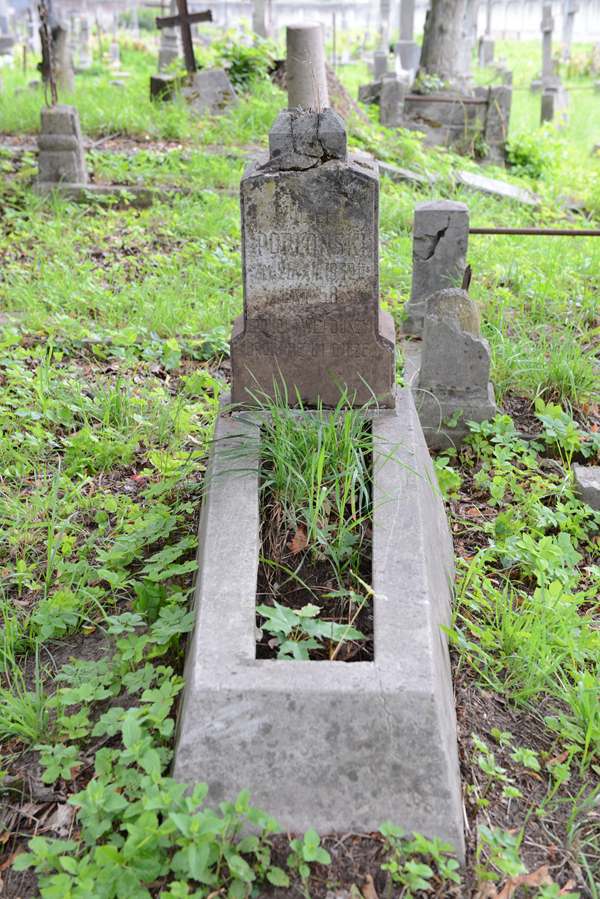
210	91
310	263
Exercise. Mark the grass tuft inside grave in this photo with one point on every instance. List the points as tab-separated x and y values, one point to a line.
313	587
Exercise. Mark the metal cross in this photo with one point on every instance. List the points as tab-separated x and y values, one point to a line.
184	19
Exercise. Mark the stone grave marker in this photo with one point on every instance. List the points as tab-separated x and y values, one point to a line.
452	385
486	43
332	745
407	50
440	239
85	47
570	10
210	91
391	101
310	262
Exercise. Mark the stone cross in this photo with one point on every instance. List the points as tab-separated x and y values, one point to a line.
547	29
184	19
312	326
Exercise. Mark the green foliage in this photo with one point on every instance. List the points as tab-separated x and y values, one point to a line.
306	851
245	64
297	631
528	155
416	863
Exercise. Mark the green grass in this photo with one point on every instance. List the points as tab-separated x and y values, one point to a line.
113	354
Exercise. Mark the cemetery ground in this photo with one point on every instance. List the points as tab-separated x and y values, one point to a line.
113	359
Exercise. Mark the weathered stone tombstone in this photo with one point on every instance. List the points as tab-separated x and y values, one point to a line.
330	745
305	67
168	50
61	158
440	240
452	382
296	255
210	91
391	101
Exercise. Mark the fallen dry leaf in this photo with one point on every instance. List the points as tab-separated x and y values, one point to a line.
368	890
535	879
299	541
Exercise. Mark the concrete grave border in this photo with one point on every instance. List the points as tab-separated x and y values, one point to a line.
332	745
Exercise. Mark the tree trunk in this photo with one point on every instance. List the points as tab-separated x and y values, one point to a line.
441	42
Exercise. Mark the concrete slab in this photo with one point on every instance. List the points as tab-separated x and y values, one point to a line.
332	745
587	484
495	188
405	176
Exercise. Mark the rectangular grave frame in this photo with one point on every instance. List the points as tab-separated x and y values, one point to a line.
339	747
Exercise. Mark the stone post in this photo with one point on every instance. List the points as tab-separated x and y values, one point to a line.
168	48
570	8
61	158
440	239
305	67
261	18
312	322
407	50
380	64
85	47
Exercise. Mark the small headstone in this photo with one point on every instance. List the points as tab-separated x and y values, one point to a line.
61	157
391	101
587	484
85	47
168	49
380	64
210	91
453	384
310	262
114	55
440	239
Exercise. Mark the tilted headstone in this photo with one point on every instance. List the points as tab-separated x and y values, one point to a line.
440	240
311	318
453	384
61	158
210	91
305	67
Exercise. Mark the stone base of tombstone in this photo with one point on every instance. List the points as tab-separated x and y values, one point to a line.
164	87
449	373
210	91
332	745
409	54
554	104
61	158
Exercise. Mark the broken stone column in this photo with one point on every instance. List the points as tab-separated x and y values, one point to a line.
452	386
440	239
305	67
310	263
391	101
61	158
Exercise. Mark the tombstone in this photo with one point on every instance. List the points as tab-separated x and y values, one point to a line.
547	27
306	248
7	39
391	102
114	54
164	86
452	385
332	745
440	239
85	46
61	159
209	91
495	135
305	67
554	98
